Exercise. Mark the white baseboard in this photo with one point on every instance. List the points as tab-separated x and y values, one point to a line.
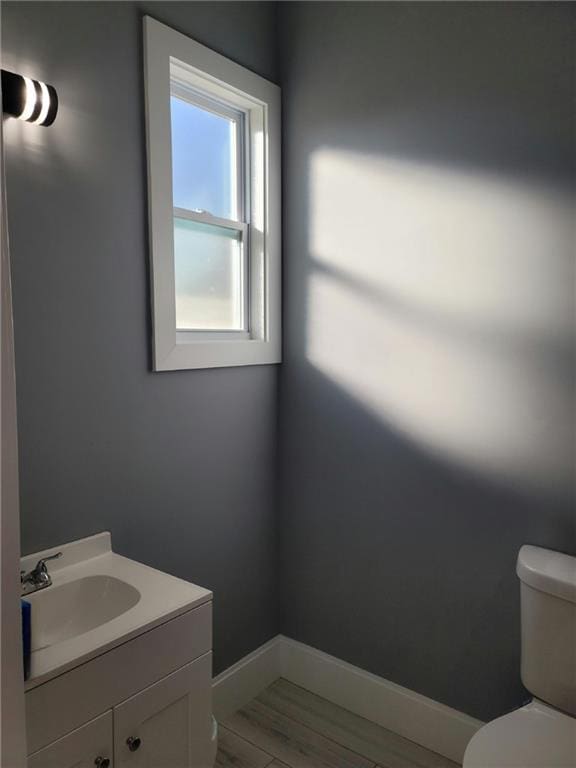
409	714
244	680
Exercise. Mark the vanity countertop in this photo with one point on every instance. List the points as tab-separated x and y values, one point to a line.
85	580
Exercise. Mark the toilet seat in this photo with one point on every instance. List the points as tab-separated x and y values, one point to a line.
535	736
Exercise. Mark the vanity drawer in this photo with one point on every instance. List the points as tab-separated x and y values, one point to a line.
83	747
67	702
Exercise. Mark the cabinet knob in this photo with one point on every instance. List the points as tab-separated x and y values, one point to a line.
133	743
102	762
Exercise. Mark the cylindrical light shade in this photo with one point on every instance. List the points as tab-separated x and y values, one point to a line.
29	100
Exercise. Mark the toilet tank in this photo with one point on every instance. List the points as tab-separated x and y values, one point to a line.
548	607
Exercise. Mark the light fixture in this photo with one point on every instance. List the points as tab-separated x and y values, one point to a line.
29	100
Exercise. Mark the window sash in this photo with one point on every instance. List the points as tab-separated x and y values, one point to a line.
193	96
187	335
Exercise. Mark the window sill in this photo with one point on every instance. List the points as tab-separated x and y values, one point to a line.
210	353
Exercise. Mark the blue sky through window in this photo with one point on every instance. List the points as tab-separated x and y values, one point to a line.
202	145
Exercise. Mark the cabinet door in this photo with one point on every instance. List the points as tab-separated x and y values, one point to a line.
90	746
167	725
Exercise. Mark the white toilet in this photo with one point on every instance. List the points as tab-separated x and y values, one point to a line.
541	734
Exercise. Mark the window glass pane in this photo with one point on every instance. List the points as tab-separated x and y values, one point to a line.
203	160
209	277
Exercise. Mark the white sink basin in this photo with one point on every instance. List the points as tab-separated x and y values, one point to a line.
60	613
97	600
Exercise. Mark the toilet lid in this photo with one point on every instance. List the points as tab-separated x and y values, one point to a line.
535	736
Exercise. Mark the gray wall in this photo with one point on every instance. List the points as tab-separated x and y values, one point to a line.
179	466
426	393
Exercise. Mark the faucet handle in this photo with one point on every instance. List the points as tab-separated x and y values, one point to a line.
41	564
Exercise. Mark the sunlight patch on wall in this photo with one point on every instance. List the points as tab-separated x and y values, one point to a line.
443	302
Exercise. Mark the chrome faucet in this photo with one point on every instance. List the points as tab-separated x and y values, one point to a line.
38	577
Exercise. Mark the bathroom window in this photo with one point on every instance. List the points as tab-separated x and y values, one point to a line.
213	132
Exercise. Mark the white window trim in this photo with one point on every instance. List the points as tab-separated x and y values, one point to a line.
260	99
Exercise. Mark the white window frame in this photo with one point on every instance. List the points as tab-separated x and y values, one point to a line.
168	57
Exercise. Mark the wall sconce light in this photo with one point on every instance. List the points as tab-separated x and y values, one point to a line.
30	100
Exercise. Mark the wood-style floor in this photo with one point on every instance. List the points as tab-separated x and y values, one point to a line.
288	727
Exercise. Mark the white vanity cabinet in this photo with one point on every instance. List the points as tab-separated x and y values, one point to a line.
144	704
